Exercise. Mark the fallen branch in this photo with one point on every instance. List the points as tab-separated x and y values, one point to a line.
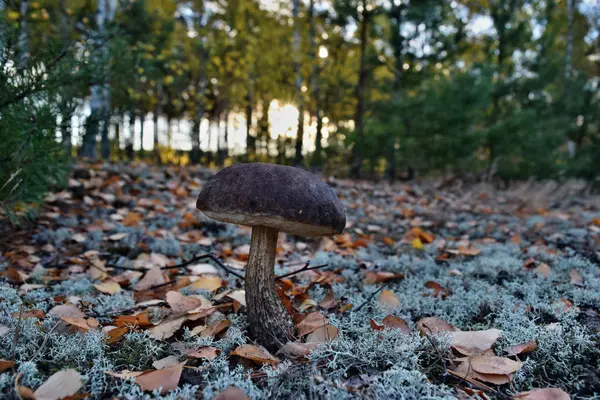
303	269
370	298
215	259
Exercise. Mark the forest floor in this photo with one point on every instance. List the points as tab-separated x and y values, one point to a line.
433	291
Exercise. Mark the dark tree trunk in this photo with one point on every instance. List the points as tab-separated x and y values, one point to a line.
117	151
356	155
317	159
299	158
65	132
129	153
269	323
250	140
88	145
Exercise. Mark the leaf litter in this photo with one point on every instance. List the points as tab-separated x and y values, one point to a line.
409	253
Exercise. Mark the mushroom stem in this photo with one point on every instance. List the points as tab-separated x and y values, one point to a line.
269	323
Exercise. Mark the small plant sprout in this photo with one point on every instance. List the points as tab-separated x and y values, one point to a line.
270	198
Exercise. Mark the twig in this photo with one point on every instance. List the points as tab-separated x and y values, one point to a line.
39	350
303	269
201	257
370	297
162	284
16	338
126	268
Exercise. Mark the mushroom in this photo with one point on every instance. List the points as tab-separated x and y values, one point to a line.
270	198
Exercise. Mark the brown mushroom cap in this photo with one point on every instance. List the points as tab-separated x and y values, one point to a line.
289	199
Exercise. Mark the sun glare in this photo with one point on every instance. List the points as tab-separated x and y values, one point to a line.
284	119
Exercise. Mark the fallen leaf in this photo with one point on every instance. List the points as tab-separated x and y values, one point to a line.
417	244
118	236
125	374
5	364
166	362
521	348
543	394
328	301
215	328
239	296
254	353
438	290
166	328
61	384
201	269
166	379
324	334
242	252
207	282
209	353
153	277
434	325
576	278
372	278
116	334
464	370
81	323
472	343
180	303
131	219
109	287
297	350
66	310
389	299
311	323
543	270
396	323
494	365
232	393
140	320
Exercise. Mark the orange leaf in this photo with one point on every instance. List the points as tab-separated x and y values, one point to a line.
167	379
254	353
521	348
324	334
5	364
311	323
372	278
131	219
433	325
388	298
215	328
396	323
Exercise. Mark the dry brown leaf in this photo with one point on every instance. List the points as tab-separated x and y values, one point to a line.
181	304
543	269
153	277
389	299
521	348
207	282
328	301
324	334
66	310
232	393
239	296
396	323
140	320
466	371
81	323
166	379
166	328
254	353
311	323
494	365
116	334
576	278
166	362
472	343
108	286
372	278
132	219
543	394
5	364
215	328
434	325
297	350
125	374
209	353
61	384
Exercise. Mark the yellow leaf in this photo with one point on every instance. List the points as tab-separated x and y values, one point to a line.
13	15
168	80
417	244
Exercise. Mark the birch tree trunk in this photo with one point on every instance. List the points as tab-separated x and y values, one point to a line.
356	155
100	100
571	7
299	94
